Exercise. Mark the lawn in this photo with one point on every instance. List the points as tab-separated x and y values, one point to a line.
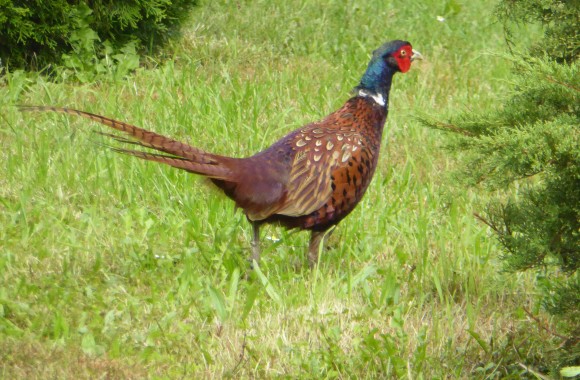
111	267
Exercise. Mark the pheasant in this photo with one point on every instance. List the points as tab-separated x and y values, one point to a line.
310	179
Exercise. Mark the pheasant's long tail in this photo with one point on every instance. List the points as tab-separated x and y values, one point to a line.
179	155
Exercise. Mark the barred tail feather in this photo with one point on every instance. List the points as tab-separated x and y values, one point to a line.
215	171
184	156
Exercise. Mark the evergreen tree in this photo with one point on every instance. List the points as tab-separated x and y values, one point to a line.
528	151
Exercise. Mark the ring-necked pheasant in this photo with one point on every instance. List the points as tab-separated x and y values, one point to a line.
310	179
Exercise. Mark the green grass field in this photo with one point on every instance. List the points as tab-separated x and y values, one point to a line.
112	267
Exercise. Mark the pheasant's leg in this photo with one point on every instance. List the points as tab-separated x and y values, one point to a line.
256	242
316	239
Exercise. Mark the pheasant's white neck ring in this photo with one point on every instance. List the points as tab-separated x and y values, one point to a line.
378	98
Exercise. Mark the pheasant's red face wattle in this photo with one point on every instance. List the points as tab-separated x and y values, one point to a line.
403	58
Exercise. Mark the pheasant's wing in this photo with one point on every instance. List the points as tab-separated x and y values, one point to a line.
321	154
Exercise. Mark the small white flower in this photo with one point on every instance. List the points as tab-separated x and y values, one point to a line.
440	18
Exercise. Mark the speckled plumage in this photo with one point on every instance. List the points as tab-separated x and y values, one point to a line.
310	179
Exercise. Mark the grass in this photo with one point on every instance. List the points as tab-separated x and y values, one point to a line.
115	268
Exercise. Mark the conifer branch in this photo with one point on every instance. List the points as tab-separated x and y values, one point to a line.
543	326
448	127
485	221
551	79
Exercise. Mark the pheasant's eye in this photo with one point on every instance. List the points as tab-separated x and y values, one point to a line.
403	53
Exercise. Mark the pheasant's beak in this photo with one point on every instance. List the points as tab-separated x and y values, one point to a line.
416	55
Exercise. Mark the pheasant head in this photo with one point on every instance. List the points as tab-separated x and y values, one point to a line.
390	58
